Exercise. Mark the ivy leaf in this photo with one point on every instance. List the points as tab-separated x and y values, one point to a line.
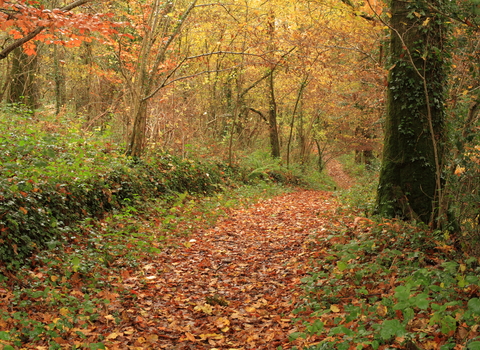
474	306
474	345
391	328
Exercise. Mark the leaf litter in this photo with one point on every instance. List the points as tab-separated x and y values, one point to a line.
232	286
288	272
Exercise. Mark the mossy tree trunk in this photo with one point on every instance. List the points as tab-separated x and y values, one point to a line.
410	184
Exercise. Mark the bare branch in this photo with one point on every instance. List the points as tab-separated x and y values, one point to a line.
172	72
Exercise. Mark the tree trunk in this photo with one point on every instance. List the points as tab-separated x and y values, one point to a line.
60	83
138	137
83	103
410	184
272	119
23	88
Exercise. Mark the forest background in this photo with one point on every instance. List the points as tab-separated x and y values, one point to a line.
283	87
303	82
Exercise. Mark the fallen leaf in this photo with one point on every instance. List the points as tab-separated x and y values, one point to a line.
334	308
211	336
190	336
112	336
64	311
206	308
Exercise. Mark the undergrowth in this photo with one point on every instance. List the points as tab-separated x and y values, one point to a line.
70	285
77	215
360	197
55	175
387	284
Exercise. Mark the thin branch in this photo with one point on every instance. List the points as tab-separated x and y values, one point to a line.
200	73
4	53
174	70
259	113
161	55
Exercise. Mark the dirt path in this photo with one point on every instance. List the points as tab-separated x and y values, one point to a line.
230	287
341	178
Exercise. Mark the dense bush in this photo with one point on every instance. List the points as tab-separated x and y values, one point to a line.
33	213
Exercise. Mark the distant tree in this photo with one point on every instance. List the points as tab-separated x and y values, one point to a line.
22	86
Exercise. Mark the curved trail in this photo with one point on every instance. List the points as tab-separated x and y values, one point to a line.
229	287
336	172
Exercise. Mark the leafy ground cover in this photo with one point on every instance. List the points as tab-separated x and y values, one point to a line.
55	175
58	299
389	285
296	271
250	266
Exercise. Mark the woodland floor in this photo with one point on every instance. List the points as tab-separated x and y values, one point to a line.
336	172
233	286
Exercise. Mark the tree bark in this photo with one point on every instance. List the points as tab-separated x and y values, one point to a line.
138	137
23	88
410	185
272	119
60	83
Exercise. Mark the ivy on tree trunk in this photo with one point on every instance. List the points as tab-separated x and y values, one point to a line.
410	184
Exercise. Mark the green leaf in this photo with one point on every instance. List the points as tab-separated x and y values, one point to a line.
408	314
474	305
448	324
296	335
421	301
341	330
96	346
315	327
75	263
342	266
474	345
471	279
391	328
401	305
4	335
402	293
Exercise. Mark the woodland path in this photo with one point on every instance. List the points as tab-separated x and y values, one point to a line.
232	286
336	172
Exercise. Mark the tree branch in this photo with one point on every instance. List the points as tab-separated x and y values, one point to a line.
4	53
